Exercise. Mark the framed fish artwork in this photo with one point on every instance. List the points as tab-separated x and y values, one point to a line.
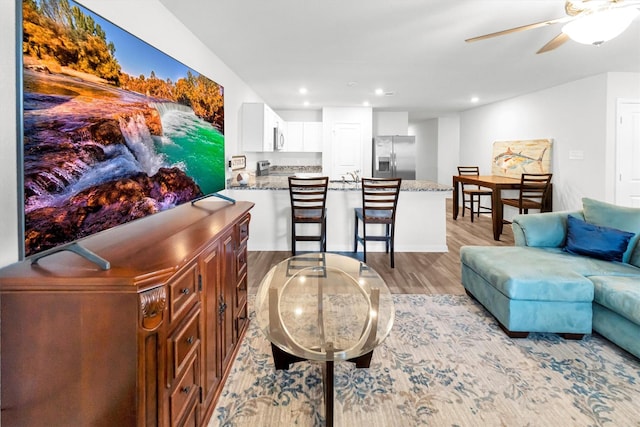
513	158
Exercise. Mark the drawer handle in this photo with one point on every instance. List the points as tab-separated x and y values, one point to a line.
191	339
185	389
185	291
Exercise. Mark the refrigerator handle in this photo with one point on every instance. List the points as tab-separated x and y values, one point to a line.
394	165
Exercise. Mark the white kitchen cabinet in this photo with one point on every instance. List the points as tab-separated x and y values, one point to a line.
258	123
295	136
304	136
312	136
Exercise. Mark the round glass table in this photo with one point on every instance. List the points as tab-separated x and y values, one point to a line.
324	307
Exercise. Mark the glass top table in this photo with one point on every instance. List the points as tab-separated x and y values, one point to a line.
324	307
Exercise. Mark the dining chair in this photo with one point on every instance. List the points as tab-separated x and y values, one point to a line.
379	203
308	206
534	189
471	194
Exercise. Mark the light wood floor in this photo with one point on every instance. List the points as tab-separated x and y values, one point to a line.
415	272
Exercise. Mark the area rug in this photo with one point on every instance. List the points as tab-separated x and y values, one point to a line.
445	363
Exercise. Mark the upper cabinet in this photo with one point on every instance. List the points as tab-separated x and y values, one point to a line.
304	136
312	137
295	134
258	125
262	129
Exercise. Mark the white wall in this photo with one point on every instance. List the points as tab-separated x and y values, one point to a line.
578	116
306	115
438	147
8	135
573	115
426	133
148	20
390	123
448	148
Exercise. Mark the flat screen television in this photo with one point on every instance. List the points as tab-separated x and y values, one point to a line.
113	130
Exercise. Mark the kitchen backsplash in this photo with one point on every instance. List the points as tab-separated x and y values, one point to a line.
293	169
248	176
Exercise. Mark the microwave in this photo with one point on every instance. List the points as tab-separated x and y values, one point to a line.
278	138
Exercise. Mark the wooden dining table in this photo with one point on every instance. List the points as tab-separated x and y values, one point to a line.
496	183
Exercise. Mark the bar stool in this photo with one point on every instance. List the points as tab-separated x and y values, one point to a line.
471	193
308	200
379	203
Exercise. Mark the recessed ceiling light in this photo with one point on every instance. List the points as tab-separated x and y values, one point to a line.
475	99
303	91
379	92
365	104
306	103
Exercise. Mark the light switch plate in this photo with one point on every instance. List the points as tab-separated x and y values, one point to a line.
576	155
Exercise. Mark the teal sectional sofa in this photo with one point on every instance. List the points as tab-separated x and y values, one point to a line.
569	273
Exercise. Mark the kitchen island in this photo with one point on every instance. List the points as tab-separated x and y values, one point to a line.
420	219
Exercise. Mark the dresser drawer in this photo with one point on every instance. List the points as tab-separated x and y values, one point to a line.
183	344
243	230
184	396
241	319
192	417
241	261
241	292
183	292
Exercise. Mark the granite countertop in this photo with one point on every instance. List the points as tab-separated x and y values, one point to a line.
280	182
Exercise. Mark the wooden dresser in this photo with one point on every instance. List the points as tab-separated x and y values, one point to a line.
148	342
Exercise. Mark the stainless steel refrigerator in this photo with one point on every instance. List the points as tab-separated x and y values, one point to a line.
394	157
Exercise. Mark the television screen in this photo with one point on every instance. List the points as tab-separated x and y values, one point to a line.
113	129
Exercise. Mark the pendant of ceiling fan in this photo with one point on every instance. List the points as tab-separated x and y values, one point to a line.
587	21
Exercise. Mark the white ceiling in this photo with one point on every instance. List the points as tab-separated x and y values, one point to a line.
414	48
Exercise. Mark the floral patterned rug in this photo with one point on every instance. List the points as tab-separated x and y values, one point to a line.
445	363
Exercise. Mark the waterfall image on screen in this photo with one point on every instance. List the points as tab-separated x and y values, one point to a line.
113	129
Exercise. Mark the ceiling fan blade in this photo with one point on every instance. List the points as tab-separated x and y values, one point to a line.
554	43
522	28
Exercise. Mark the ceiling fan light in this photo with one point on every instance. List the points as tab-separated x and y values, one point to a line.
599	27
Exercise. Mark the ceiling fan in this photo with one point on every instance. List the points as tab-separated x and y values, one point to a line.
587	21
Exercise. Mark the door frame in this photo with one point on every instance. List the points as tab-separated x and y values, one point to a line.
619	153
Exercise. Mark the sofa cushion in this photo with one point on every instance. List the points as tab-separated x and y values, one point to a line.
620	217
546	229
619	294
526	273
596	241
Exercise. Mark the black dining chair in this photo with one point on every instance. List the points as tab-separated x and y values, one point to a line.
379	204
472	194
308	206
534	190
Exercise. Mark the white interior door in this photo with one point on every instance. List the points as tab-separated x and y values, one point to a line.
346	149
628	154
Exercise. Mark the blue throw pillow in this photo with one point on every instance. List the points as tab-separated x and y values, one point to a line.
620	217
596	241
